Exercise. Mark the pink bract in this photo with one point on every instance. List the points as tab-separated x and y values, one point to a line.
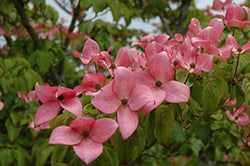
53	98
86	135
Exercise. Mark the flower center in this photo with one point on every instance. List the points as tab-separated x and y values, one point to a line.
158	84
175	63
112	66
236	118
61	98
85	134
97	87
239	49
124	101
192	65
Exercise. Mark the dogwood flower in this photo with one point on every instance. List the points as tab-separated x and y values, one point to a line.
86	135
31	96
126	97
221	6
236	49
239	116
53	98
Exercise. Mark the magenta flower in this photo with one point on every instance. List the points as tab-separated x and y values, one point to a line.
86	135
146	40
126	96
235	16
93	83
53	98
1	103
31	96
239	116
159	80
221	6
237	50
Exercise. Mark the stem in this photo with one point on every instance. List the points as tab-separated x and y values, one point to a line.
187	78
96	68
237	64
175	75
233	31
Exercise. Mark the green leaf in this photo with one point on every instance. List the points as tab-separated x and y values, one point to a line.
164	124
6	157
99	5
196	146
60	120
13	131
43	60
51	13
85	4
246	89
116	9
214	89
244	61
21	155
177	135
58	154
32	77
149	125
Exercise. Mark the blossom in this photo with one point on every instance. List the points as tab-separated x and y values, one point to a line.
31	96
239	116
53	98
93	84
126	97
159	80
236	49
40	127
235	16
86	135
220	6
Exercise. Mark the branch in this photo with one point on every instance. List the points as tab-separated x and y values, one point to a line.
26	24
166	28
183	15
64	8
72	26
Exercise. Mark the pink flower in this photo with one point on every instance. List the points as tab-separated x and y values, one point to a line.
86	135
240	117
90	52
1	103
31	96
40	127
230	103
93	84
235	16
237	50
126	96
53	98
220	6
146	40
159	80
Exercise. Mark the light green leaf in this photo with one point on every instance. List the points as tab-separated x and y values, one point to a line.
43	60
12	131
58	154
51	13
246	89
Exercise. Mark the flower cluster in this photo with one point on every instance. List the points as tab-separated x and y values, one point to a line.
141	81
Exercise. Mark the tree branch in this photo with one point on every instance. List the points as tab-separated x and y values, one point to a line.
183	15
61	6
166	28
26	23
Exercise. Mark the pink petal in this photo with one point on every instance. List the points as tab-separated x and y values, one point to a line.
204	62
106	102
103	129
66	92
140	96
152	50
88	150
122	58
144	41
248	11
246	48
1	105
159	96
80	89
229	115
225	52
93	79
46	94
144	77
72	105
127	120
235	12
32	96
123	83
162	39
194	26
65	135
243	119
46	112
82	124
90	51
232	41
210	34
161	68
217	24
176	92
